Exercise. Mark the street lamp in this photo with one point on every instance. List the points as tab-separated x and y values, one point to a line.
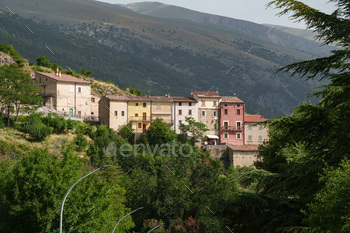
124	217
61	216
155	228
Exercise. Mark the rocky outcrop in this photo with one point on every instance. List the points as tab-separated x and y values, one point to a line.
5	59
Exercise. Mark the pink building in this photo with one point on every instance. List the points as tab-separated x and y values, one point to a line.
231	120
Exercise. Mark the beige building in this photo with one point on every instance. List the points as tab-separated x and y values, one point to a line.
113	111
161	107
208	111
243	155
66	94
255	134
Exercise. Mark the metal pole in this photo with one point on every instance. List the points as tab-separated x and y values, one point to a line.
155	228
124	217
61	216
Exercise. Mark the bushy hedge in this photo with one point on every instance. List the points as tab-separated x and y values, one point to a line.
33	126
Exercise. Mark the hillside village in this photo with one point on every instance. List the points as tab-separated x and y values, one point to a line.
224	116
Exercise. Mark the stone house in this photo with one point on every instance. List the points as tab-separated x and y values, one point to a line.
255	133
183	107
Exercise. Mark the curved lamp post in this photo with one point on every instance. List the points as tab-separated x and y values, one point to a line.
155	228
124	217
61	216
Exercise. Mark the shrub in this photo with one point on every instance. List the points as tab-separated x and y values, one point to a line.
2	123
72	124
84	128
80	141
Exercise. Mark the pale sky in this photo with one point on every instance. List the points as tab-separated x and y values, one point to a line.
251	10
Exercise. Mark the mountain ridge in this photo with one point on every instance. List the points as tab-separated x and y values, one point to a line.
161	55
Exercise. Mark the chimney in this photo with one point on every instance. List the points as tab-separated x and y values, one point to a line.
234	94
60	74
57	71
169	95
166	95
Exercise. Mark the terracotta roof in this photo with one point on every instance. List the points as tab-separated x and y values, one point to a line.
244	147
254	118
183	99
117	97
161	99
231	99
206	94
64	78
139	98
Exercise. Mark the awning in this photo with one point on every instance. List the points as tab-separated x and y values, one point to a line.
213	136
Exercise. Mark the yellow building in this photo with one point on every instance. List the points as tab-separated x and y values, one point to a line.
139	113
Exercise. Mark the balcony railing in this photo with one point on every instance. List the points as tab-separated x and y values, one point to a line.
139	118
231	128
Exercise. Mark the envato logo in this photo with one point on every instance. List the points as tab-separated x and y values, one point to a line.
163	150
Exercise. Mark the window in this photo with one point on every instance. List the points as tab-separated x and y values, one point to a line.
79	112
139	125
189	104
260	138
250	138
92	100
214	103
136	114
116	113
144	105
180	122
238	136
203	102
249	126
92	113
190	112
180	112
238	105
214	114
79	89
158	105
238	123
214	127
122	113
203	113
226	135
180	104
137	104
39	80
225	124
225	111
225	105
238	111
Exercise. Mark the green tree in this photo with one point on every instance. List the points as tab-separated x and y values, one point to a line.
126	133
80	141
32	191
43	61
86	72
194	128
16	89
329	212
160	132
307	141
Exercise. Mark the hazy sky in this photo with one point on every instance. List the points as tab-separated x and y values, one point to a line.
251	10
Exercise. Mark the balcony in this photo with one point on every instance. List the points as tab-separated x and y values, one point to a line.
232	129
139	118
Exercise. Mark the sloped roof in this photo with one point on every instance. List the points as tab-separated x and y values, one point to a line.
183	99
206	94
64	78
244	147
117	97
254	118
231	99
161	99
